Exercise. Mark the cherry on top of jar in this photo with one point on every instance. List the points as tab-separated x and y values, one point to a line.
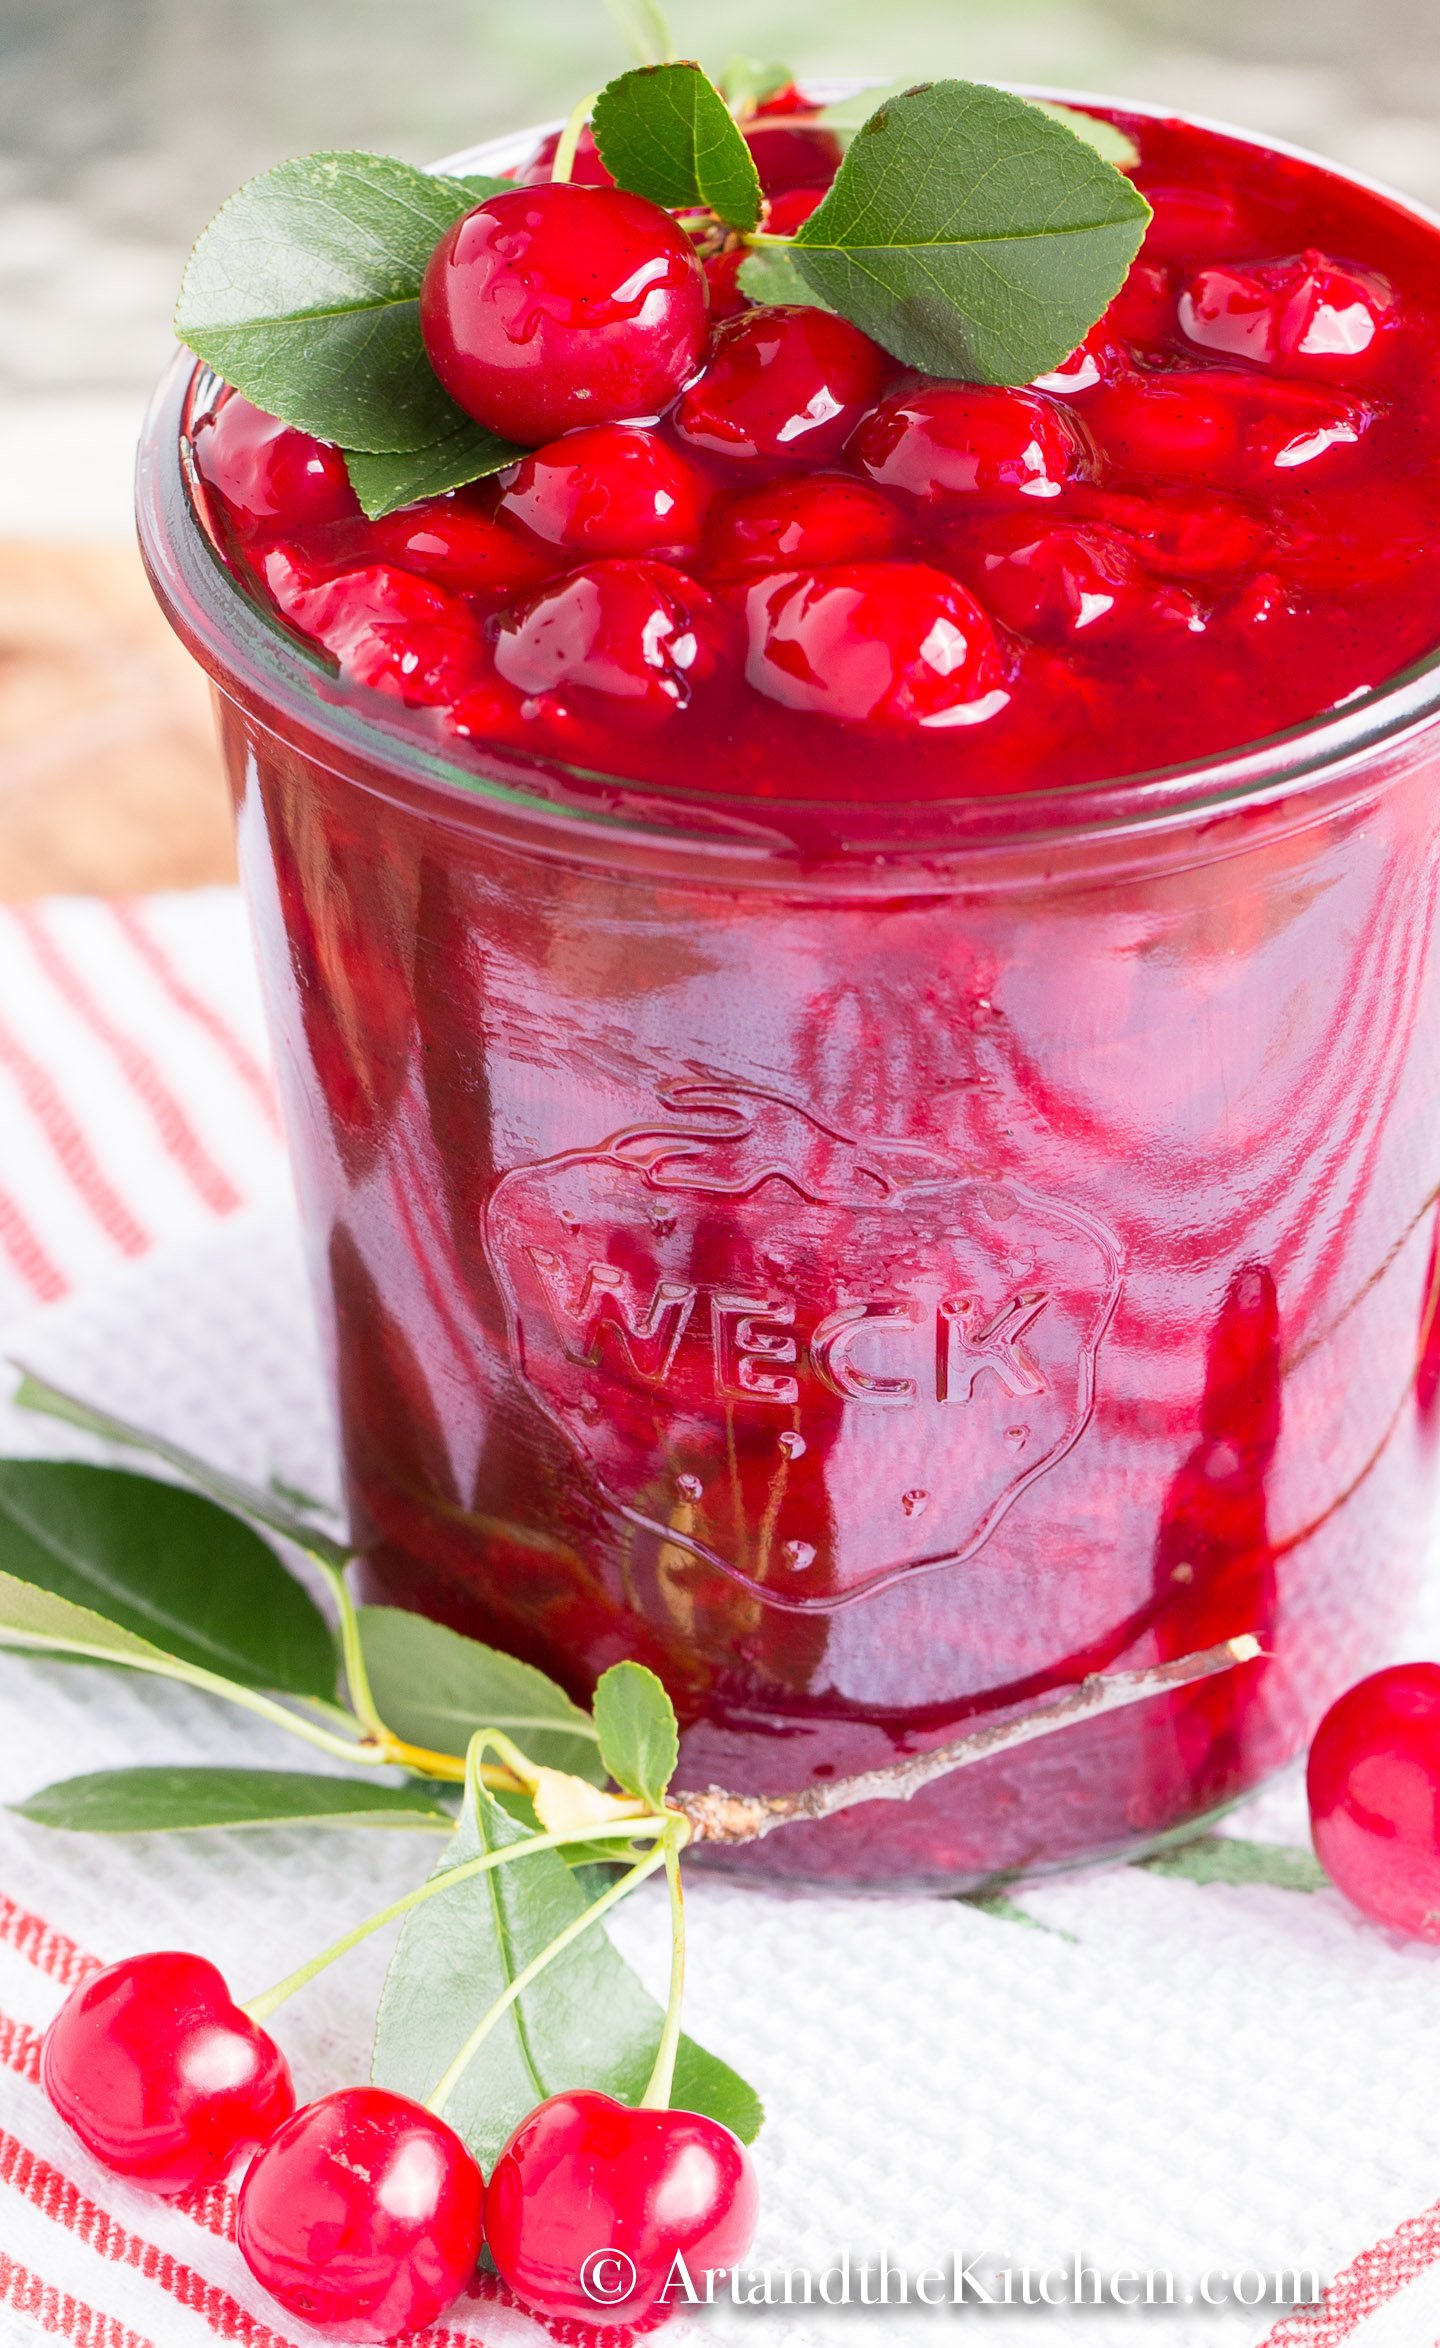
819	575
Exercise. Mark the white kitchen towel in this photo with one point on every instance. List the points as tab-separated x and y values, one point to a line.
1203	2082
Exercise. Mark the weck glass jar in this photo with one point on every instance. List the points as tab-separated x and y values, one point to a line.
875	1261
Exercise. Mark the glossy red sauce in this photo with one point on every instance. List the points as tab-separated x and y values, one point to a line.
820	575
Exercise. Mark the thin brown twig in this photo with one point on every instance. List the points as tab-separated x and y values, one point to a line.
719	1817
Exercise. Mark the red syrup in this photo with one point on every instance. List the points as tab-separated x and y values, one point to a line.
878	1291
1276	351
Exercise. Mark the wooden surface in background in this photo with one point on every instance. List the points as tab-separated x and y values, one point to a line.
109	776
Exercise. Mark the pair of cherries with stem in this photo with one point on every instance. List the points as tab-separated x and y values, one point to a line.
364	2213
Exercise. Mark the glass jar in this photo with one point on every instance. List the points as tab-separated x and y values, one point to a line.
875	1263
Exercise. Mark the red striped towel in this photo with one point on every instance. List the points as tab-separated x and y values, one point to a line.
136	1110
135	1097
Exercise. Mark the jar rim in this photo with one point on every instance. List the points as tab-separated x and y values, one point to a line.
256	661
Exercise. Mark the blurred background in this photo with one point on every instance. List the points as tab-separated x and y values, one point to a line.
123	123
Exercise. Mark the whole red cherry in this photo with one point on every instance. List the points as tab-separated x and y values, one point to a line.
895	644
161	2075
609	489
590	2191
363	2216
553	306
1221	424
387	629
1064	584
801	522
639	633
1095	360
1172	424
1306	314
1181	532
1374	1786
459	543
948	440
785	384
267	475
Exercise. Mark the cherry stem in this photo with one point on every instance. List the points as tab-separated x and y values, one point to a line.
568	145
260	2008
437	2100
661	2082
370	1752
352	1653
210	1683
762	237
718	1817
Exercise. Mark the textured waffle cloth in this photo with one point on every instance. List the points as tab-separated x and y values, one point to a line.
1171	2077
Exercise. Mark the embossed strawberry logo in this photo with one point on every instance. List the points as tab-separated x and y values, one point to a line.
816	1360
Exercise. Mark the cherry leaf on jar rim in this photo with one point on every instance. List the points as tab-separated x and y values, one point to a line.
386	480
435	1688
585	2021
304	292
162	1800
972	235
168	1566
665	132
639	1736
844	116
771	275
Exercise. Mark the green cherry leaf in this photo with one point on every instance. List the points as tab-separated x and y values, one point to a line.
276	1506
304	292
972	235
36	1621
585	2021
769	274
168	1566
480	184
639	1736
435	1688
1106	138
665	132
1226	1858
384	482
175	1801
844	116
